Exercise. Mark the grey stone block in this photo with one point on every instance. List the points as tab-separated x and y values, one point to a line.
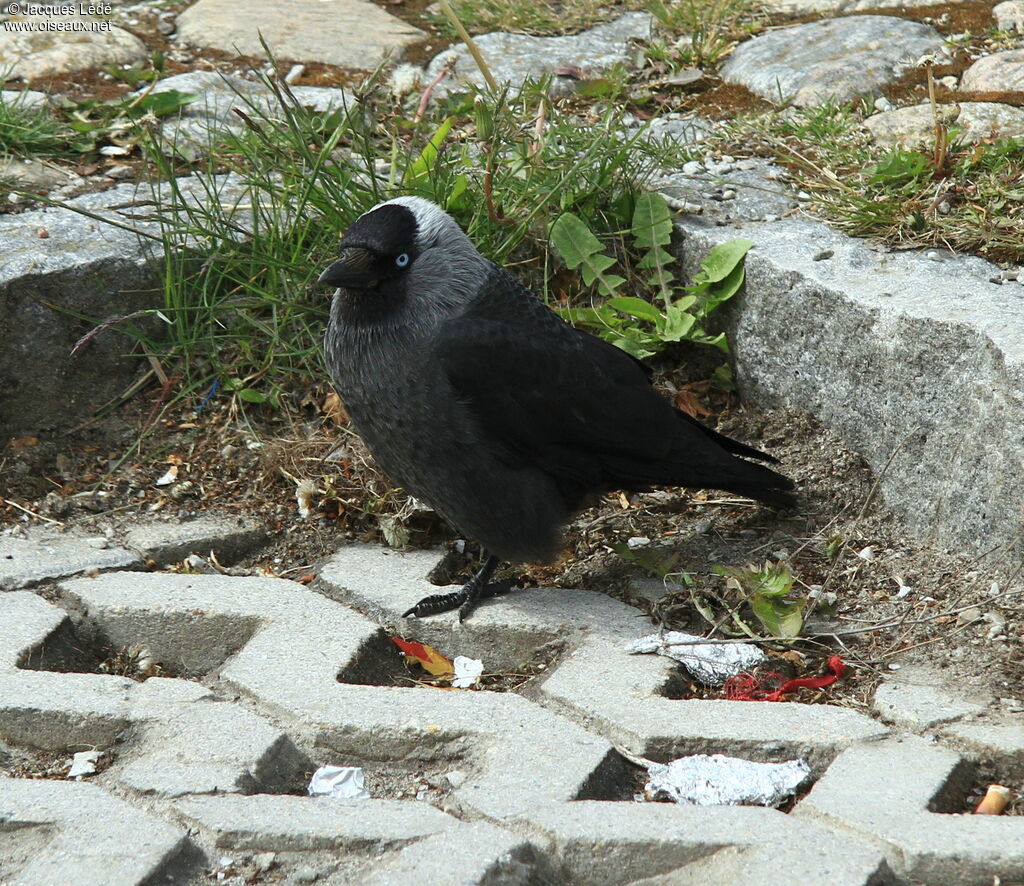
836	59
205	122
917	698
350	33
170	542
605	844
63	711
1002	743
477	854
513	58
283	823
46	555
83	267
25	622
887	347
94	839
621	695
190	623
885	791
194	743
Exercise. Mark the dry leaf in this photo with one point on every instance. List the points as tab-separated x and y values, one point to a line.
687	401
426	656
334	409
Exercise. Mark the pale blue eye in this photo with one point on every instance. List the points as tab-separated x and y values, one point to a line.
402	260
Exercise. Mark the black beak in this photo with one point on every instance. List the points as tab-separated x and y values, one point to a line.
354	269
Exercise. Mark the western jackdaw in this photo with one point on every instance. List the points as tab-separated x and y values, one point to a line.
477	399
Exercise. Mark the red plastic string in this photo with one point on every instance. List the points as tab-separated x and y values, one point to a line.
747	687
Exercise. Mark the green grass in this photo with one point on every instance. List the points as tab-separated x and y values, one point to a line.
30	130
240	300
699	33
967	198
536	17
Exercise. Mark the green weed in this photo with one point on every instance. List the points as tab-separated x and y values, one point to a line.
640	326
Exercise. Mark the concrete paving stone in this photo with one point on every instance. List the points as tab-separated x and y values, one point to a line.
74	44
194	743
914	126
503	632
888	346
185	739
885	791
477	854
998	72
172	541
294	643
93	838
46	555
189	623
1002	743
832	59
55	711
606	844
513	58
26	621
621	695
281	823
916	698
349	33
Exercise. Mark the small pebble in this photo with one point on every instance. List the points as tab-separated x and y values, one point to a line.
306	874
456	778
264	861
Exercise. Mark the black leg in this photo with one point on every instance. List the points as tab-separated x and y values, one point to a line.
478	588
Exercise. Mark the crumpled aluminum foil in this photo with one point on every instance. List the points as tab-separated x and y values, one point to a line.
717	780
340	782
710	662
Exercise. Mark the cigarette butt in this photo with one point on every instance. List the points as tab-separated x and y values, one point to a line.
994	801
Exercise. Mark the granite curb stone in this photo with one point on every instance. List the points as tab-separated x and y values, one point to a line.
901	341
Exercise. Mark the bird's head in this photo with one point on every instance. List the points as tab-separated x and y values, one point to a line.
398	242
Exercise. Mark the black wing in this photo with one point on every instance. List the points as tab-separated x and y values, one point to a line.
579	408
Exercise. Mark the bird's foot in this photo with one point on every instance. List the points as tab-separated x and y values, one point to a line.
464	600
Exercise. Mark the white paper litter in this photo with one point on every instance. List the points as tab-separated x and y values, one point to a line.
467	671
340	782
717	780
711	663
84	763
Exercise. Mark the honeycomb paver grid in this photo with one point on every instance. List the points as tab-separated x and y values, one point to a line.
214	763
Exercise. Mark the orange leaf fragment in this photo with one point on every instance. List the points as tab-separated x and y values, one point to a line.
334	409
687	401
425	656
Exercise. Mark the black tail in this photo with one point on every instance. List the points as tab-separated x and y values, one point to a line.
754	481
727	443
